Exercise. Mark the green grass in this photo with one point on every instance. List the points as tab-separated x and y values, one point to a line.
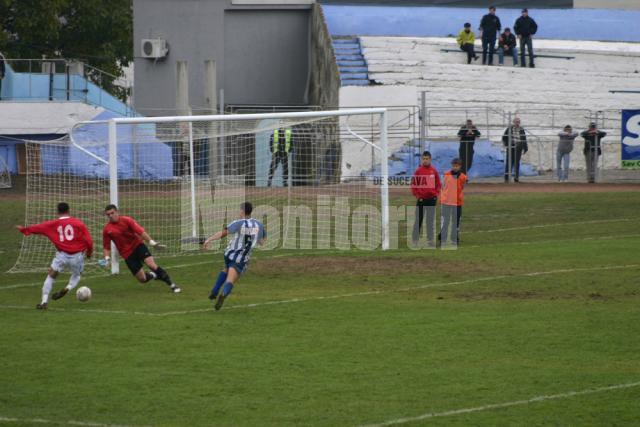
425	332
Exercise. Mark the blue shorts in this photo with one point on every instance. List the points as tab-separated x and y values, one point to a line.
240	267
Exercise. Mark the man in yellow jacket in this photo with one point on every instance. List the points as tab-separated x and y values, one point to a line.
465	39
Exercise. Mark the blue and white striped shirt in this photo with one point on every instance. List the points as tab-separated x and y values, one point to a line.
247	233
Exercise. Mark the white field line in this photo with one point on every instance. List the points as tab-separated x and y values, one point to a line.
559	224
43	421
328	297
532	242
505	404
26	285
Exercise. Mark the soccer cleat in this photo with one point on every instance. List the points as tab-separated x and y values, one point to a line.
42	306
175	289
219	302
62	292
213	296
155	276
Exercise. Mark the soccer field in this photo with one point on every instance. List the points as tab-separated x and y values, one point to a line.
534	320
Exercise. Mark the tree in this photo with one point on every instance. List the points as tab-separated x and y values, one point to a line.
97	32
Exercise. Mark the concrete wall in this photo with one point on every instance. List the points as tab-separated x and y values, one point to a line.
325	77
607	4
261	53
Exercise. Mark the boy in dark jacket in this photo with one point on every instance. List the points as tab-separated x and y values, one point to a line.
525	29
592	150
507	45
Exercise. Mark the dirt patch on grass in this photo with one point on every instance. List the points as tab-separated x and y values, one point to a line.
327	266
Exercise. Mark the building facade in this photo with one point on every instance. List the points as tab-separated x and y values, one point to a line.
234	52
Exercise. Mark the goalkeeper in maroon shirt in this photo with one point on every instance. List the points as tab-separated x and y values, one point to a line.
129	237
73	242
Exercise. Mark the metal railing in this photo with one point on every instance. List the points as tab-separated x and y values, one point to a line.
63	80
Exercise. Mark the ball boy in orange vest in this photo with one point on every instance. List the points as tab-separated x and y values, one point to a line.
451	201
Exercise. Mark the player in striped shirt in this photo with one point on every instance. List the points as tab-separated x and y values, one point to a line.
247	232
73	243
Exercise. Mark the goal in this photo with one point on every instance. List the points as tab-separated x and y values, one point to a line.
316	179
5	174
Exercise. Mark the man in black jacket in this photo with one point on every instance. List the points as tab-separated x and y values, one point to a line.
467	134
281	144
2	71
507	45
490	28
515	141
525	29
592	150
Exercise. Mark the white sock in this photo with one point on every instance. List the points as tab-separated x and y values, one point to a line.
73	281
46	289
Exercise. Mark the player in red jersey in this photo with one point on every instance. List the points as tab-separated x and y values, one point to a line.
73	241
129	237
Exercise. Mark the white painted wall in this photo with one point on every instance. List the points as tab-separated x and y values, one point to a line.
19	118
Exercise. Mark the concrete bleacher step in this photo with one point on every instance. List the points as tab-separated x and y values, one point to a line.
353	82
354	45
351	62
357	57
346	40
348	52
353	69
356	76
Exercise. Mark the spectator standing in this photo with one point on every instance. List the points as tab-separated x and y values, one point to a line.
467	134
565	147
465	39
2	71
425	187
592	150
489	29
515	140
280	144
507	45
525	29
451	201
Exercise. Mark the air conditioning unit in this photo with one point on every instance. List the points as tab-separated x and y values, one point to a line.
154	48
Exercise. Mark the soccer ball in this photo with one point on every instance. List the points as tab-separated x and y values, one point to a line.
83	294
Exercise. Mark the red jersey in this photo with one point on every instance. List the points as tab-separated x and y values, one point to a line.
67	234
452	191
124	234
425	183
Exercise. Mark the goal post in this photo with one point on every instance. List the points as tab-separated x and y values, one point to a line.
318	180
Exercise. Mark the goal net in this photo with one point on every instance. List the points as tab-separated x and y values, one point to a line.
5	174
315	179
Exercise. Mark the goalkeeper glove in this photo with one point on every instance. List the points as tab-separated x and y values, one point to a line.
157	245
104	262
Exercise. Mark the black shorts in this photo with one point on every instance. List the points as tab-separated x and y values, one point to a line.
135	261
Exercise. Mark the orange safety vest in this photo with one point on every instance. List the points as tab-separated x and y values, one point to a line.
452	189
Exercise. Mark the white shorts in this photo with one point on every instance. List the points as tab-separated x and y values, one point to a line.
74	262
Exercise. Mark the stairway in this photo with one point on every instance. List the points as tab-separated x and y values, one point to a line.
351	63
